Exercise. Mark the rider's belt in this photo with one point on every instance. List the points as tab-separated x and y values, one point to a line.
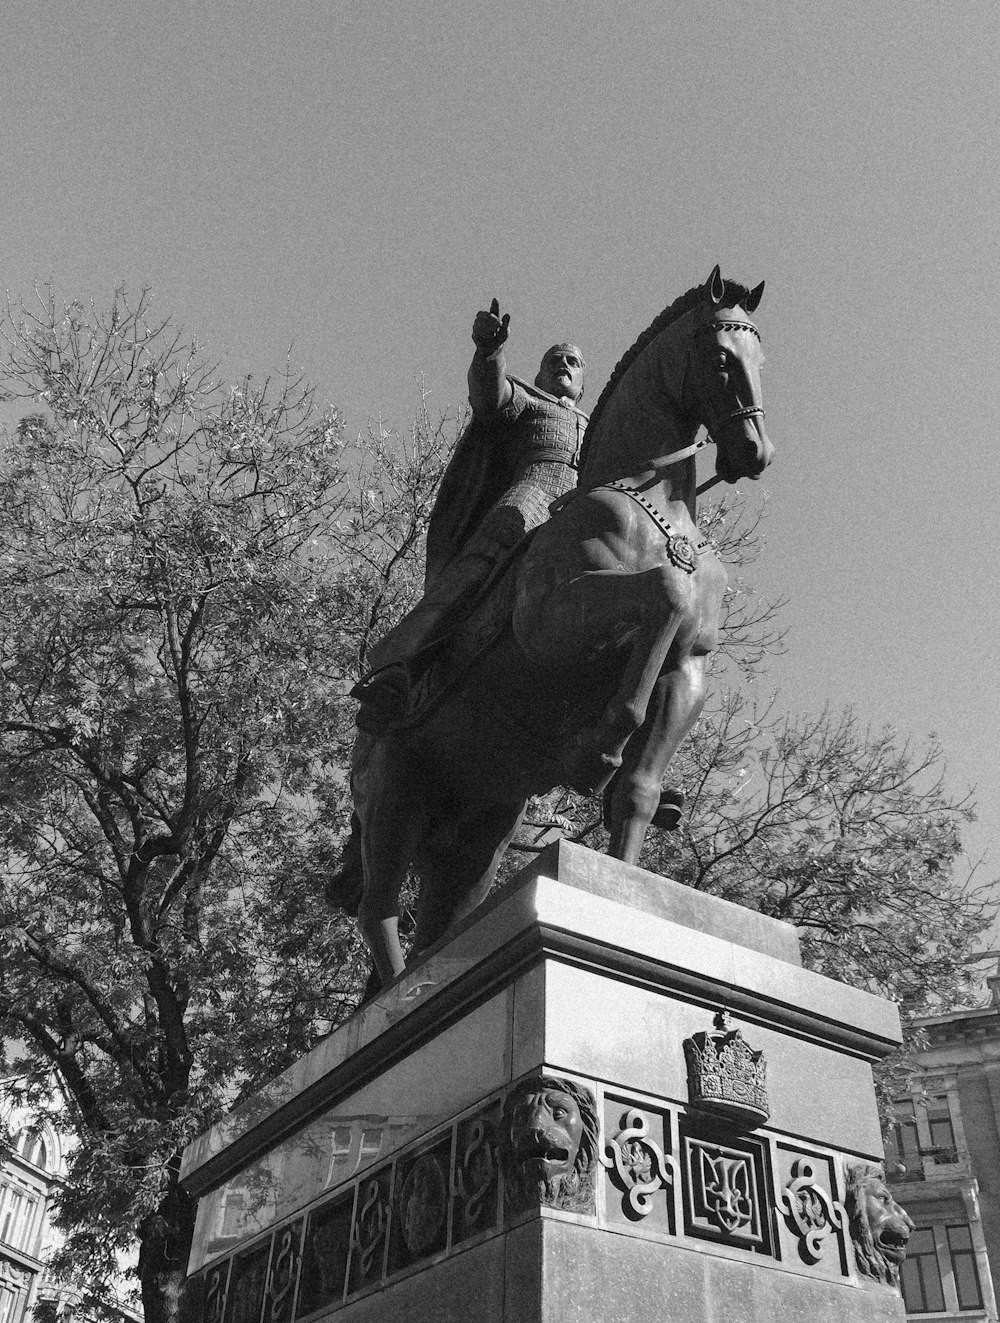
551	455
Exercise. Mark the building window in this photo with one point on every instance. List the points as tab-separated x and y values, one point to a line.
231	1215
342	1146
341	1138
905	1134
963	1265
371	1143
942	1135
31	1145
921	1276
940	1271
17	1215
10	1299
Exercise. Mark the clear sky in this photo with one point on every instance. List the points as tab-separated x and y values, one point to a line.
355	179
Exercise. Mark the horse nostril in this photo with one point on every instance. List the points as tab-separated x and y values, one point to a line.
765	451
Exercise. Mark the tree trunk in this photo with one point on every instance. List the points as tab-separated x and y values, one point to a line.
164	1247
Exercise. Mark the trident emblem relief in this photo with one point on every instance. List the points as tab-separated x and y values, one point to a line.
727	1190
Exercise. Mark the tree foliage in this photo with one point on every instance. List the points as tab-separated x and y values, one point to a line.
189	577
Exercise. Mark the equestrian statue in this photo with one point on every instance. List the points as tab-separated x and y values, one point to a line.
554	649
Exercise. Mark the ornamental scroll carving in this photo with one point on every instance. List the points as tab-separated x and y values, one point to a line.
809	1211
475	1180
283	1275
215	1293
639	1162
368	1238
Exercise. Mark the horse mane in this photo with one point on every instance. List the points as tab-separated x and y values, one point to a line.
735	294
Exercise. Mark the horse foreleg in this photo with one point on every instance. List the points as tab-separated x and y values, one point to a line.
594	754
675	705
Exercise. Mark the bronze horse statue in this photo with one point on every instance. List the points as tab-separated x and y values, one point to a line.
584	664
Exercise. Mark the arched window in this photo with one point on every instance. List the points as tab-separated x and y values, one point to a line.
31	1145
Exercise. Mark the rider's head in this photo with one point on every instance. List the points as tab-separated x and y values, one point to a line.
561	372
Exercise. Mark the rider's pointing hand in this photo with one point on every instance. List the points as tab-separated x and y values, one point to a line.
489	330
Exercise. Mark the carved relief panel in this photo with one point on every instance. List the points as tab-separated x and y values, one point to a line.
325	1255
726	1196
638	1165
476	1179
641	1169
370	1233
813	1222
283	1277
420	1214
246	1284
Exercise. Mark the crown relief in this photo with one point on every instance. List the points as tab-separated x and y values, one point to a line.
726	1075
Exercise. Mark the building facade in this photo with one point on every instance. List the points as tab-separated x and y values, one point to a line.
943	1166
30	1177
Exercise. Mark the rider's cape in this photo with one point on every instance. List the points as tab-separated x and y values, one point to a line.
478	474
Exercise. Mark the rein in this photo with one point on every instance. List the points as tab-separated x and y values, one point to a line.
686	453
706	440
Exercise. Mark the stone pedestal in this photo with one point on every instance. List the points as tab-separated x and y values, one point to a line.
546	1120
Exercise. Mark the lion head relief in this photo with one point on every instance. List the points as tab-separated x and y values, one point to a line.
549	1145
880	1229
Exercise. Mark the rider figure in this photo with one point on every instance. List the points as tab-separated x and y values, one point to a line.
517	457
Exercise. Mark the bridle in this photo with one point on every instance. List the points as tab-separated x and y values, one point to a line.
751	411
719	421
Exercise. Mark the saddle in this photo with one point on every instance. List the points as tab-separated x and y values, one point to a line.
400	696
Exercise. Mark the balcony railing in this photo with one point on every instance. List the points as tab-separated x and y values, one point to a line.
941	1156
928	1161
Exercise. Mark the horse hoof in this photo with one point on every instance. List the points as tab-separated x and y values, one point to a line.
372	988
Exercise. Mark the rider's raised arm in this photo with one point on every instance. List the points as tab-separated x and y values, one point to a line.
489	389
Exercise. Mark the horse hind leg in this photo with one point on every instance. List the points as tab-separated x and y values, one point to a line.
458	875
391	817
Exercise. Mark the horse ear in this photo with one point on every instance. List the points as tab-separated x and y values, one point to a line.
715	286
753	298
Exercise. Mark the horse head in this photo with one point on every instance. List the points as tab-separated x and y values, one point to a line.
721	386
697	364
